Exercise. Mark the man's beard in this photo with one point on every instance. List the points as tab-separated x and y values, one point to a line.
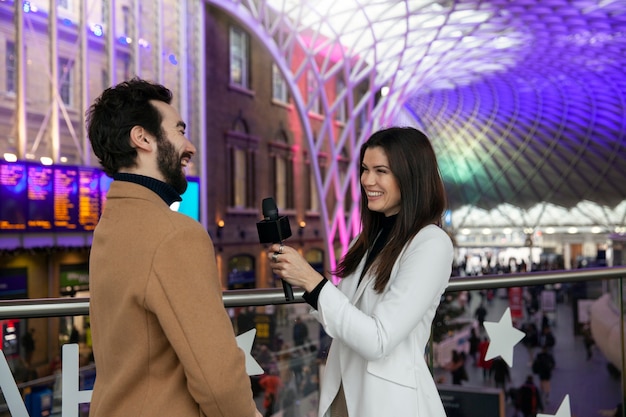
169	163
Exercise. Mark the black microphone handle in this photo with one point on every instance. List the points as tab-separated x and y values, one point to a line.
287	288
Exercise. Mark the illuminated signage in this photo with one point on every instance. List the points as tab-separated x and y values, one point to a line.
60	198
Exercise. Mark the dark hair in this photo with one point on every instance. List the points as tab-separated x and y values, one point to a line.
413	163
112	116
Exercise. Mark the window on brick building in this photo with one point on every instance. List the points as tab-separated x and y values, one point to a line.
11	67
279	85
282	173
242	148
239	61
66	79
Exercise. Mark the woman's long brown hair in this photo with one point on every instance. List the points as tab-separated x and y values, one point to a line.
413	163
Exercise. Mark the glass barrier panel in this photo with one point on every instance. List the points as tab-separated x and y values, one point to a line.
568	354
33	351
583	319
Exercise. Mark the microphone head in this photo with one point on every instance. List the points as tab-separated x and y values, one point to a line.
270	210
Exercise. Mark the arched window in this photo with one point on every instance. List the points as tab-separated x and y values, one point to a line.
344	164
281	155
241	272
315	257
313	94
242	148
312	196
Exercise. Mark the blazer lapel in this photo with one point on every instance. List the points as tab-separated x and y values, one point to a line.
365	282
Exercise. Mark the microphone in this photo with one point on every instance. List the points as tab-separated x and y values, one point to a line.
274	229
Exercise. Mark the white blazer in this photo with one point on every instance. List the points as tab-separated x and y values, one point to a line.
379	339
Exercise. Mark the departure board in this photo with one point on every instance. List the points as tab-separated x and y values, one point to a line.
66	198
40	197
62	198
13	196
88	198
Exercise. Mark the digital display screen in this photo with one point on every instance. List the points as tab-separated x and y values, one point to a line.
65	198
40	197
191	199
13	196
89	198
60	198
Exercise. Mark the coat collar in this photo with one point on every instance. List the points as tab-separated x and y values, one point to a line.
357	292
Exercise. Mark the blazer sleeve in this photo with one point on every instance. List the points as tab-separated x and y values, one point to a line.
191	312
418	279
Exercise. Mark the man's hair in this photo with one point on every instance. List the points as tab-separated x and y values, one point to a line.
112	116
413	163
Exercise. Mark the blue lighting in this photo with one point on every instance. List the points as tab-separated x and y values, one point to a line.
97	30
26	7
173	60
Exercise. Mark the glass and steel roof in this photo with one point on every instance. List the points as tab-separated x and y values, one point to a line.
524	100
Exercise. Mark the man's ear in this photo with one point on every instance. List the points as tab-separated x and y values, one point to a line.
140	139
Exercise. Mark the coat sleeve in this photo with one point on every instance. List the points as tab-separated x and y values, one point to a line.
191	312
418	280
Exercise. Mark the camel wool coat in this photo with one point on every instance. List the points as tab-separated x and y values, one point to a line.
378	345
162	340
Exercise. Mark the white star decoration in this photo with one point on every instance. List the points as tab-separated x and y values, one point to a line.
245	341
502	337
563	411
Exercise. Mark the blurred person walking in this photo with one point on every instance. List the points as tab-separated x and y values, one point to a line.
528	398
543	365
483	347
501	373
457	368
28	344
271	384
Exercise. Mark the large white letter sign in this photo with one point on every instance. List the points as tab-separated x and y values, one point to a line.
71	394
12	395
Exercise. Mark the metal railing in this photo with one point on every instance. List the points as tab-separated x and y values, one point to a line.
55	307
58	307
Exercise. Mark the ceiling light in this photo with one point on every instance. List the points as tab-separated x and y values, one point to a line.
10	157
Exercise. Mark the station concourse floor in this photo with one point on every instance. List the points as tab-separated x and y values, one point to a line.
592	390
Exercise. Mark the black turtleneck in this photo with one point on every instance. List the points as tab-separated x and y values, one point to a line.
162	189
383	236
387	224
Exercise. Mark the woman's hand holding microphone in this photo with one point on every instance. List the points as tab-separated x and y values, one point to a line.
289	265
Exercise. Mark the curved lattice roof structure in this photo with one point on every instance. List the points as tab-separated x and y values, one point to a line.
524	100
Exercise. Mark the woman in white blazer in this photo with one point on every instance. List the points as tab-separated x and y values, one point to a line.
393	277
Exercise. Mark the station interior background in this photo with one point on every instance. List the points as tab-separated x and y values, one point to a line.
523	100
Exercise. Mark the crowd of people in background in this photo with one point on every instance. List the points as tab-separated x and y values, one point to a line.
290	359
291	367
531	395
